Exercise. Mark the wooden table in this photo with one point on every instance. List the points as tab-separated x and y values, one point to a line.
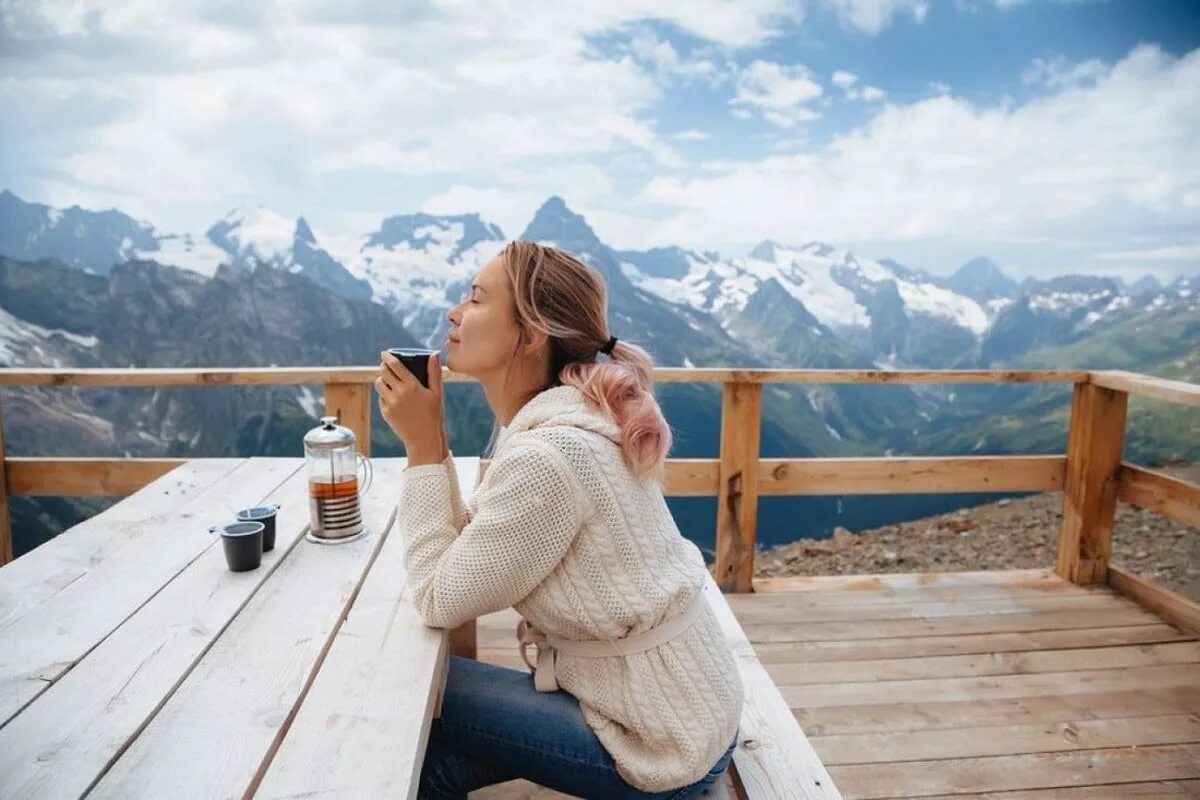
133	663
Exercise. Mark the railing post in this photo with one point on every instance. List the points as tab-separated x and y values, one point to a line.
351	404
6	541
737	499
1094	443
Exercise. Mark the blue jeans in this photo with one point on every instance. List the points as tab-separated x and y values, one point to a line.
496	727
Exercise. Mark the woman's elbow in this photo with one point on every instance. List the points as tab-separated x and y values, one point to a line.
433	613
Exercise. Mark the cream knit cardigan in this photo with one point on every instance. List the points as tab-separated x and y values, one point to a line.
561	530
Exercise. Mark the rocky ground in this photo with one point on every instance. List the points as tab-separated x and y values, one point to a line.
1009	534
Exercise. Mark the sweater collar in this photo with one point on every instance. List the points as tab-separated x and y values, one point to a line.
560	406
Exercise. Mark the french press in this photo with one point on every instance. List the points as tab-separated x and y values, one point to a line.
334	491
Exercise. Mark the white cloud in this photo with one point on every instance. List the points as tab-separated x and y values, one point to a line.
843	79
781	93
852	90
690	135
1119	159
937	87
1183	252
1058	72
194	108
669	66
872	16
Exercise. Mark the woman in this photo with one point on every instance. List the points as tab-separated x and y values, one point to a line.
634	693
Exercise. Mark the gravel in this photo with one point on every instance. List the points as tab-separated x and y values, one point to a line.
1008	534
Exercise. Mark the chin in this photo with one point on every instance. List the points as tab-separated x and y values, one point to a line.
452	363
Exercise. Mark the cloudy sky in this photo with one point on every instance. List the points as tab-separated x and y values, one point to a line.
1053	136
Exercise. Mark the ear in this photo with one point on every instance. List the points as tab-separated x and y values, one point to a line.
535	340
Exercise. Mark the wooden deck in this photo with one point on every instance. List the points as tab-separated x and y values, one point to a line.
968	685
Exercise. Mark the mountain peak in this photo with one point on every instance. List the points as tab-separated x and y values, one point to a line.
982	280
259	234
821	249
1147	284
420	231
304	233
765	250
555	222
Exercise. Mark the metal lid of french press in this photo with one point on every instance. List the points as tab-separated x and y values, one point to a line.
329	435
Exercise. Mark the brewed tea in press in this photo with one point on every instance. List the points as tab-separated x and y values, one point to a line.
334	490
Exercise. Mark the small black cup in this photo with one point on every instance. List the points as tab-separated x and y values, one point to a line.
416	359
265	515
243	543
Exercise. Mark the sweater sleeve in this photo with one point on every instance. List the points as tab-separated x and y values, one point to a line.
526	516
458	509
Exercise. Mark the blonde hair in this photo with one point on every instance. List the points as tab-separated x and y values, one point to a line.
557	294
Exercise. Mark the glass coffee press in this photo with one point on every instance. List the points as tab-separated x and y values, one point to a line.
334	494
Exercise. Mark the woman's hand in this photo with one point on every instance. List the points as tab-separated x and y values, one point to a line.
415	414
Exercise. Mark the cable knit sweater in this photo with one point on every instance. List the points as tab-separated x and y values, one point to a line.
562	530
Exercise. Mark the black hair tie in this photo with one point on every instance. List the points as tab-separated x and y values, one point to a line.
608	348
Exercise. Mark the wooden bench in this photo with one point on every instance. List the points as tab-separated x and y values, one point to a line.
773	758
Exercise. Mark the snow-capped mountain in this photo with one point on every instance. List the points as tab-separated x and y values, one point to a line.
874	305
262	238
1067	308
419	264
92	240
880	312
982	281
1145	284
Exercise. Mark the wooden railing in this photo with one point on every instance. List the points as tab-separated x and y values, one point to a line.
1091	473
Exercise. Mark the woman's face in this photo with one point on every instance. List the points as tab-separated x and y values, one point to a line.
483	327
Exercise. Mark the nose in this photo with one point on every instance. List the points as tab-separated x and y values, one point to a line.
453	315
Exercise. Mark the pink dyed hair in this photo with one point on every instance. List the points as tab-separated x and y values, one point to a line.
556	293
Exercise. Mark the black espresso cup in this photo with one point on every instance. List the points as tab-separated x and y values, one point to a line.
265	515
243	543
416	359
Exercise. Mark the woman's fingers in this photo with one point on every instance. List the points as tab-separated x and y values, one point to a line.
390	367
435	373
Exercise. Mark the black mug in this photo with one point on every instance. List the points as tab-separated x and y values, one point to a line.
243	543
416	359
265	515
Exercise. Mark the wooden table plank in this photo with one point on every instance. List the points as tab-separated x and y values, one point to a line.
43	644
65	740
366	717
43	572
213	733
901	716
983	664
1034	771
967	643
992	688
1000	740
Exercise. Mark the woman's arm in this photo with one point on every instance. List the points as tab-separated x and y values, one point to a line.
526	517
458	509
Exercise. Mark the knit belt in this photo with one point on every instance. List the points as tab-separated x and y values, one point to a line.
548	645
